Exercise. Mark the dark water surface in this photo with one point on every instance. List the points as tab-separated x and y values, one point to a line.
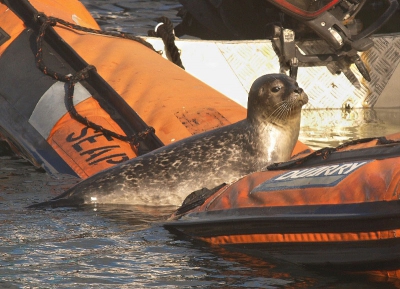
125	247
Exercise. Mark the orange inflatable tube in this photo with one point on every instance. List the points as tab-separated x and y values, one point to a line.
336	207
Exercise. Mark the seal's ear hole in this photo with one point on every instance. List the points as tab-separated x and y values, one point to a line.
275	88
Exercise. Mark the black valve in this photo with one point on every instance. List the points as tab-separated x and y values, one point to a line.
361	67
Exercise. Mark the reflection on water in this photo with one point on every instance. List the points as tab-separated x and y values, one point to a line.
104	247
135	17
322	128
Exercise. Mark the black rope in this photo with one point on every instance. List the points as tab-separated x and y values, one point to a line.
166	32
83	74
39	54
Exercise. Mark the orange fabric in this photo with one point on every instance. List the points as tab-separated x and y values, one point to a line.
394	136
11	24
383	274
302	237
300	148
86	151
72	11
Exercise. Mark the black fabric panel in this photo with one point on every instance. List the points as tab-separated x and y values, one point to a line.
352	255
22	83
16	129
362	217
3	36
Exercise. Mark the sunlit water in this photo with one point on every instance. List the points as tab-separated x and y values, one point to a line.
332	127
125	247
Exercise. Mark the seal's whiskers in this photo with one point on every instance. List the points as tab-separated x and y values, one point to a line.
280	113
283	110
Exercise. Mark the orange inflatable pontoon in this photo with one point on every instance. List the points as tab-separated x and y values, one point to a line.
337	207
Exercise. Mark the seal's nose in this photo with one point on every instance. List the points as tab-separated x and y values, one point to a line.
305	97
302	96
298	90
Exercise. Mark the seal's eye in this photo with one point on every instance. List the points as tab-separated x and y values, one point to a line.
275	88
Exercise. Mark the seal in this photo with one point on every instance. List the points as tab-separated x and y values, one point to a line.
167	175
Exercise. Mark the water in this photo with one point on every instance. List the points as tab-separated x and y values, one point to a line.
332	127
125	247
132	16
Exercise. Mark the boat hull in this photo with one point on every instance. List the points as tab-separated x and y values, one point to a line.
335	235
336	207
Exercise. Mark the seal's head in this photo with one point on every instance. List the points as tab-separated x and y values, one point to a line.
275	98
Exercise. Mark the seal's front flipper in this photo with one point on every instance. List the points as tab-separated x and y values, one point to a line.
57	203
197	198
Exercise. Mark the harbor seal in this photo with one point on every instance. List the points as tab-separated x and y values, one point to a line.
167	175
